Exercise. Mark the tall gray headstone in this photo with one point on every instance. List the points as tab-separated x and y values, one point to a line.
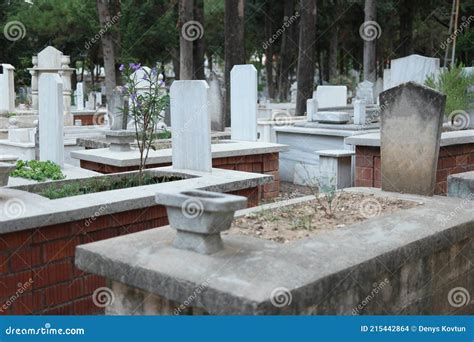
117	109
411	123
216	104
365	92
243	102
80	96
7	88
190	126
51	118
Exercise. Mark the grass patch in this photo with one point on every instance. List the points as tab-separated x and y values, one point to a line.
83	187
38	170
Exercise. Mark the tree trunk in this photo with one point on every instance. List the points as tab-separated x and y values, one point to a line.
234	44
305	75
333	47
185	41
175	60
269	49
286	53
199	44
405	11
108	48
370	46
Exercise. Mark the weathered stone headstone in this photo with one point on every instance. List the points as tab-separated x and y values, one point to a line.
80	96
387	82
243	102
365	92
359	112
190	126
117	110
216	104
293	92
413	68
90	103
411	122
51	118
331	96
7	88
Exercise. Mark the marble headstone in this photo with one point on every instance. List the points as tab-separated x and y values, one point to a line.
243	102
413	68
365	92
51	118
80	96
216	104
411	123
311	109
331	96
190	126
359	112
117	110
7	88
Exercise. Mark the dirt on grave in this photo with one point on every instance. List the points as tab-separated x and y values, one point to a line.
302	220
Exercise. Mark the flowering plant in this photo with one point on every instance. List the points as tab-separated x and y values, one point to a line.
147	102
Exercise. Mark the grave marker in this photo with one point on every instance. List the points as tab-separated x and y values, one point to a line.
190	126
411	122
51	118
243	102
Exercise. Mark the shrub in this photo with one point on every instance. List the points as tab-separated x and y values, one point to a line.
38	170
454	83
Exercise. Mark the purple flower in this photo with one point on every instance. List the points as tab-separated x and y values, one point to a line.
122	67
135	66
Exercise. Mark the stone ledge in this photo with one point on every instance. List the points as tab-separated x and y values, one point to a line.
132	158
241	278
447	138
39	211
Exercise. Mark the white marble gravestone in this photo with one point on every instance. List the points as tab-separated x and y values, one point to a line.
80	96
413	68
331	96
7	88
411	122
359	112
216	104
243	102
190	126
365	92
311	109
51	60
51	118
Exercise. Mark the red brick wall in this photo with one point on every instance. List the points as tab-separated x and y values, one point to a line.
452	159
46	256
259	163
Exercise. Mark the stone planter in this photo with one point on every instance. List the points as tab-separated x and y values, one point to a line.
199	217
5	169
